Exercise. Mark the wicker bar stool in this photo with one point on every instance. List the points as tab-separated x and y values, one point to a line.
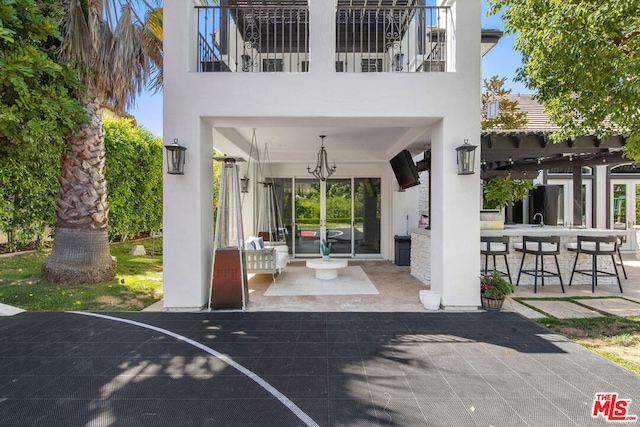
494	246
595	246
540	247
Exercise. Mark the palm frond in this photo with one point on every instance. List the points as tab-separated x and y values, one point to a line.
153	22
76	46
130	66
116	51
154	49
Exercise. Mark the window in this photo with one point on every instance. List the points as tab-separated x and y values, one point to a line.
272	65
586	170
372	65
625	169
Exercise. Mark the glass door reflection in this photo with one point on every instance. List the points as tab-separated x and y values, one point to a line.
338	214
307	217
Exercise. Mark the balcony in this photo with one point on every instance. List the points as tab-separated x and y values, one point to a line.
267	37
391	39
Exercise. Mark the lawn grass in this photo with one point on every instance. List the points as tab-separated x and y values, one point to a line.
137	285
613	337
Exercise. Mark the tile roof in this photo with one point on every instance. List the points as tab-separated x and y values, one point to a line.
538	120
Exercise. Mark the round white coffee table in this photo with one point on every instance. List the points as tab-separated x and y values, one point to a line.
327	270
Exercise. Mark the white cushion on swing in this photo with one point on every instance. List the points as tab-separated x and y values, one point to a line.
253	243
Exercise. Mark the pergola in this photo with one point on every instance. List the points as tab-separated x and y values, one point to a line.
522	153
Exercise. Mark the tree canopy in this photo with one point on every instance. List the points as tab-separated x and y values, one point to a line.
582	57
38	107
509	116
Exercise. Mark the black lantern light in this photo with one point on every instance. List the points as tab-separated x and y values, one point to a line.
466	158
175	158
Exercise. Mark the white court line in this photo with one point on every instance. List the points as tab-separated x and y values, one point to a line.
226	359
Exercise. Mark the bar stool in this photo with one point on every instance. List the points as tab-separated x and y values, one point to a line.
540	247
493	246
594	246
620	240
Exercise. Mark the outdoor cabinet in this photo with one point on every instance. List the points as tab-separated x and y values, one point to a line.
544	200
228	280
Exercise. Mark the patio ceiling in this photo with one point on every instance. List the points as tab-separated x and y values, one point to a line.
347	140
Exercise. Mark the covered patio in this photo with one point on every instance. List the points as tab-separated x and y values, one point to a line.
398	291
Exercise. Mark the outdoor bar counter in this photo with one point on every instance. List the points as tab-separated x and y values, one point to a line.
421	253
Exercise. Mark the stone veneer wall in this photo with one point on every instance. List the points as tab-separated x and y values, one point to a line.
423	194
421	257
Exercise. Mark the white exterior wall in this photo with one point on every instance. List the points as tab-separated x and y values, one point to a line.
601	191
448	103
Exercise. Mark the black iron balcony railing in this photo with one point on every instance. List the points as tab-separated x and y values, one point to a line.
268	38
253	38
391	39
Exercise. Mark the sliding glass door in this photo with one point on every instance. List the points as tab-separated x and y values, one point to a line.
345	212
366	225
307	229
338	215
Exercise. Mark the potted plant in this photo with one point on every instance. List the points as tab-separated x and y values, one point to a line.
493	290
326	250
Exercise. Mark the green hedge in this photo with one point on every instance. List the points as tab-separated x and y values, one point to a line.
28	186
134	179
37	110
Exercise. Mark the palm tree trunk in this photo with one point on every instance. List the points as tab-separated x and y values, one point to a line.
81	246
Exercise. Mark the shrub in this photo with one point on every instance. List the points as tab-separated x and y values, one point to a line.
133	169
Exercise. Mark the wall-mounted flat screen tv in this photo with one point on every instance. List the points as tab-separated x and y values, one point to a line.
404	169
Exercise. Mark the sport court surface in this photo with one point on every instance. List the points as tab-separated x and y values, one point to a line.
299	368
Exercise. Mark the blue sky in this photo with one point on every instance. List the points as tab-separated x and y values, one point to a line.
502	60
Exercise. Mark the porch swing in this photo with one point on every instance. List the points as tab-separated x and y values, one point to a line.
268	253
269	219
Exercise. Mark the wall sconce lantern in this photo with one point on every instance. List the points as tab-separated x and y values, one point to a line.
175	158
466	158
244	184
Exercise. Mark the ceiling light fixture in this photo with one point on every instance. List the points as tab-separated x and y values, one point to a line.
322	170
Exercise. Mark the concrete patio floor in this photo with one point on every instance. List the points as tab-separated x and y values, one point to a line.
399	292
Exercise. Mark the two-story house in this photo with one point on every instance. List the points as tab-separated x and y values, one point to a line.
375	77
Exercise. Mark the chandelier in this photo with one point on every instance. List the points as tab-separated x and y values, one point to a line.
322	170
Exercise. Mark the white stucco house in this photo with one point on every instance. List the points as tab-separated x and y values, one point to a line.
375	77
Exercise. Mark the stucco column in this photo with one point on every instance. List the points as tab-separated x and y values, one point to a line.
322	21
187	199
455	206
188	217
600	195
455	223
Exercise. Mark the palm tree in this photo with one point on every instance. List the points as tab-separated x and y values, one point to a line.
117	56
